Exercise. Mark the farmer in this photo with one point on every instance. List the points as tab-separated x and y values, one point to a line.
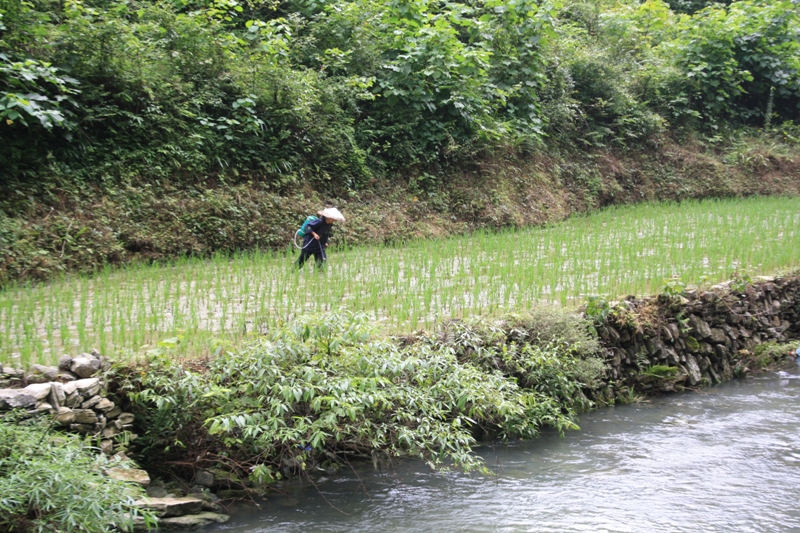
316	239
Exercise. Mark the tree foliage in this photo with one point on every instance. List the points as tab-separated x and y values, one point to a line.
337	93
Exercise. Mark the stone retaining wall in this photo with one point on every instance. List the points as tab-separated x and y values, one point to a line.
75	397
704	336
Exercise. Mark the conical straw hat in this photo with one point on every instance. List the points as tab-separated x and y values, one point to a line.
331	212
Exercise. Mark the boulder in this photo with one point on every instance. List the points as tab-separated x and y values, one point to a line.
16	399
204	477
700	327
86	387
57	395
40	391
73	401
107	446
91	402
85	416
65	416
49	372
718	336
85	366
132	475
693	369
192	521
104	405
172	506
65	363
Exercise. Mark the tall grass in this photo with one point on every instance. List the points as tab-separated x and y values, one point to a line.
619	251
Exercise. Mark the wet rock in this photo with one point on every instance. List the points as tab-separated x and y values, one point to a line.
701	328
693	370
172	506
192	521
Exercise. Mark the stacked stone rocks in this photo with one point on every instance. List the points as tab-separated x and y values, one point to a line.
73	395
703	335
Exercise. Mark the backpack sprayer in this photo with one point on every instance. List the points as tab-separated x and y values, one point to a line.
303	231
329	212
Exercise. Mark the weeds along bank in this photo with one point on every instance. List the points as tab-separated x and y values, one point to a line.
326	390
81	228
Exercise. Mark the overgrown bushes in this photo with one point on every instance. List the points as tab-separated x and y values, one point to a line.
337	93
55	482
324	389
104	99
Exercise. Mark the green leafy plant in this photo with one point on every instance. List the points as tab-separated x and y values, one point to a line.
54	482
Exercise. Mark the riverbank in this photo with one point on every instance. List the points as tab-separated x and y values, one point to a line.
76	227
325	390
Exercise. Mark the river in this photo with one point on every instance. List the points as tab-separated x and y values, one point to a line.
724	459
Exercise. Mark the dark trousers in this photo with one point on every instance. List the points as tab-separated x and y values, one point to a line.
305	254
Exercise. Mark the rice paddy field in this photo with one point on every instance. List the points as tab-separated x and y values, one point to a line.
199	304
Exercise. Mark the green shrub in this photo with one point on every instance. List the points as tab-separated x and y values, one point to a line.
324	387
54	482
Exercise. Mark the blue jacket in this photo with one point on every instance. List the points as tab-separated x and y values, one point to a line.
321	228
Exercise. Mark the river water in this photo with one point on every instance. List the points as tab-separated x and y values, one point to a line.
725	459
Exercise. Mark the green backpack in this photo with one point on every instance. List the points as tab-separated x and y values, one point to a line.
304	228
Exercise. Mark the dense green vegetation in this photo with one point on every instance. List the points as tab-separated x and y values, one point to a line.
51	481
337	92
196	303
325	388
151	129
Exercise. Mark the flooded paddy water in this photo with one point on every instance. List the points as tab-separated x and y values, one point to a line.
615	252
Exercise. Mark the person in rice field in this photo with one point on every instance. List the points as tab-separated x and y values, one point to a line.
316	238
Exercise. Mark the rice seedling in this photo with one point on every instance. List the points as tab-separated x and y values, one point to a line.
615	252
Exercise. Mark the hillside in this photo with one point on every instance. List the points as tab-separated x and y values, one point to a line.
147	130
